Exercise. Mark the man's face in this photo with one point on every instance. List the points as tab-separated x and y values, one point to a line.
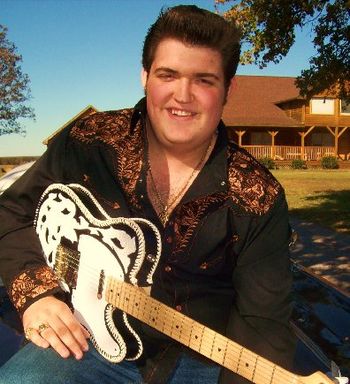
185	93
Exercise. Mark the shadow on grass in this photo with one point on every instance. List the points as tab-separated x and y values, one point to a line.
332	210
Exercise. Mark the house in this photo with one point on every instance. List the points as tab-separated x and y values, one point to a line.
267	116
89	110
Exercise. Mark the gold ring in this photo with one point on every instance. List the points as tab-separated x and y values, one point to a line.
28	331
42	327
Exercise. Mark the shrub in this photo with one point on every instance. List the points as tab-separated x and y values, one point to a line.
268	162
298	164
329	162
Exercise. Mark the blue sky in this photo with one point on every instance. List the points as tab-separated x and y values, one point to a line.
82	52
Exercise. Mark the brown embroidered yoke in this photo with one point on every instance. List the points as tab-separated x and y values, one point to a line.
225	259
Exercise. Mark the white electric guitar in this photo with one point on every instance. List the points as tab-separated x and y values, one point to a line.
104	262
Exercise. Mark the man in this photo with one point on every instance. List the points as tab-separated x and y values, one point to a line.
222	219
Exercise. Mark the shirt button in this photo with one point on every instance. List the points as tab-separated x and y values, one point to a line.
141	196
223	183
151	258
169	239
167	268
178	308
235	237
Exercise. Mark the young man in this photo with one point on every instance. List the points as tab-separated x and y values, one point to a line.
222	218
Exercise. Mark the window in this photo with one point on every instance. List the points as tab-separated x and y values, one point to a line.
260	138
344	107
322	139
322	106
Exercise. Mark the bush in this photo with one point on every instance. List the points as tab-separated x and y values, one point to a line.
298	164
329	162
268	162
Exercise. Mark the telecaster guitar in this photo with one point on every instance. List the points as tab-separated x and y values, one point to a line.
96	295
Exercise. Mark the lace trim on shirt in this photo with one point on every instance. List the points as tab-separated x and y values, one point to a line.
113	129
30	284
251	186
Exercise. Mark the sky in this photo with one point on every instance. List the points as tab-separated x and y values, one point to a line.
88	52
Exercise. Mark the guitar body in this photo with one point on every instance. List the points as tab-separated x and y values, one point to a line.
82	244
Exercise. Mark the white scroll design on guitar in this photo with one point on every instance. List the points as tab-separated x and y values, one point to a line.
81	243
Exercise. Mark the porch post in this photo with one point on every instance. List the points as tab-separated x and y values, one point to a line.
336	137
273	134
302	136
240	135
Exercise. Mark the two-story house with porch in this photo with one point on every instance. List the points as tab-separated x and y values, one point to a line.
267	116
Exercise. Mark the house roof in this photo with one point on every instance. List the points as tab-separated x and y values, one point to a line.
89	110
254	99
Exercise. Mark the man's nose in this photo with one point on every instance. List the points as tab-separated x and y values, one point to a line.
183	91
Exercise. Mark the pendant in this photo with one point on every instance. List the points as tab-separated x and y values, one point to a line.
164	217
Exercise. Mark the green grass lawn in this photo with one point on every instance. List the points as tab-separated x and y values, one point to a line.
319	196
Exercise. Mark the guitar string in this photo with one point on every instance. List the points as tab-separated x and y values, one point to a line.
265	369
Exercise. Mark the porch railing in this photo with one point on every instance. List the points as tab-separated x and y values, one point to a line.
284	152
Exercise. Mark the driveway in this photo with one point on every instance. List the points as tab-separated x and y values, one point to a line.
325	252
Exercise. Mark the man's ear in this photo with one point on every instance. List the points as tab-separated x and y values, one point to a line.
144	77
231	88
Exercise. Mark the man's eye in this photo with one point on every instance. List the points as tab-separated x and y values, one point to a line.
166	76
205	81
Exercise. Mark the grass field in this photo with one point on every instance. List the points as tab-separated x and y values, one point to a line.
319	196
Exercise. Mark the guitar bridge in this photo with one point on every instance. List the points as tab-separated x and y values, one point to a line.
101	283
67	264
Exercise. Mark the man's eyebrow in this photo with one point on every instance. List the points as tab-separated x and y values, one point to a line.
166	69
207	74
196	75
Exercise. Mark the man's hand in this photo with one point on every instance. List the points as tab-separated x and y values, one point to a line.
58	327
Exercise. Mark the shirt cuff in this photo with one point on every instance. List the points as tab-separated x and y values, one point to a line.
31	285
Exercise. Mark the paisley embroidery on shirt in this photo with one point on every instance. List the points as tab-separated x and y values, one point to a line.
113	129
192	213
30	284
252	188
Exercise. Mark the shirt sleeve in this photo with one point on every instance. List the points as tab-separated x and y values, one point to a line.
23	269
259	319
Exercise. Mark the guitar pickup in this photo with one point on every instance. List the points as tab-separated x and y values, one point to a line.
67	264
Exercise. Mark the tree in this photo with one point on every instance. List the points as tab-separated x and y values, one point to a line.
268	31
14	88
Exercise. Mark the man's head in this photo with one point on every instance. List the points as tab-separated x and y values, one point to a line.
194	26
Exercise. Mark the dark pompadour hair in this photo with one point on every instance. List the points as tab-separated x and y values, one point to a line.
196	27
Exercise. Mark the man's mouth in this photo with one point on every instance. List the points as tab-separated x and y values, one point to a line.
181	112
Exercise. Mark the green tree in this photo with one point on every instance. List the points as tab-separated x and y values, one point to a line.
268	30
14	88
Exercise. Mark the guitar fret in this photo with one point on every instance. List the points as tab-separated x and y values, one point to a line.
245	367
196	337
219	350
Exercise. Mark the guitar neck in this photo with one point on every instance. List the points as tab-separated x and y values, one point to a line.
200	338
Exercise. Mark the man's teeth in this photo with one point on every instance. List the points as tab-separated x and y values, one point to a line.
180	112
